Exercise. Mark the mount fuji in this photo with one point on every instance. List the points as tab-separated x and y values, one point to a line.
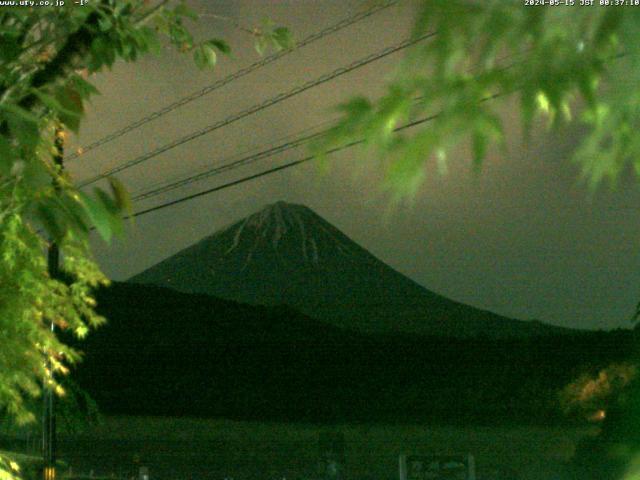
286	254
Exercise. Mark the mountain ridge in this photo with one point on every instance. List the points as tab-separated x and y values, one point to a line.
286	254
164	352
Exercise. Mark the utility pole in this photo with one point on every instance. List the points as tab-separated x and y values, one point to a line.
48	414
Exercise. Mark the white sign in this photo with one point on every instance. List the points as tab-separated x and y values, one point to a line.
437	467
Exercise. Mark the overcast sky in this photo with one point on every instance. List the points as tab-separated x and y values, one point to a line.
523	239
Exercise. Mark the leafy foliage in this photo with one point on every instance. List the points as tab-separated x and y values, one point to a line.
46	58
568	64
271	35
9	468
41	91
589	394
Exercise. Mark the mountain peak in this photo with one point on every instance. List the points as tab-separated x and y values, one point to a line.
282	211
280	215
286	254
284	205
294	228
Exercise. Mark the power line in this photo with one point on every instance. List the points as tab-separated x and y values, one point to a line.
247	157
239	74
286	165
246	160
272	170
252	158
229	166
261	106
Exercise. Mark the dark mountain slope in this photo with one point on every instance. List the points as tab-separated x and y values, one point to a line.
170	353
288	255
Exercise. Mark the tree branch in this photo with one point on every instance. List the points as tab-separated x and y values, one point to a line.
75	47
77	44
149	15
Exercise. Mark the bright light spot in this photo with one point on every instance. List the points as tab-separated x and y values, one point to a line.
441	157
543	102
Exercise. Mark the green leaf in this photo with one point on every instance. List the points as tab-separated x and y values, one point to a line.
23	125
210	55
608	26
99	215
105	24
129	48
199	58
81	331
407	171
67	107
221	45
20	112
76	215
123	9
441	161
47	214
72	107
83	87
267	24
356	107
261	44
79	15
149	39
204	56
282	38
9	47
182	10
7	157
121	196
35	174
47	100
109	204
180	36
479	149
102	53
